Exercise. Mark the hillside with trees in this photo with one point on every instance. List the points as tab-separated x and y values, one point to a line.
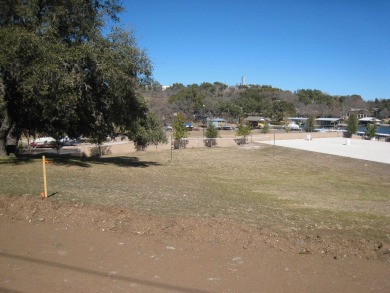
232	102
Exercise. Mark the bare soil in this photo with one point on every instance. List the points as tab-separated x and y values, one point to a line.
64	246
145	224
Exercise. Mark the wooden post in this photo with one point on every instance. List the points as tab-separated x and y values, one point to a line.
172	144
44	177
274	147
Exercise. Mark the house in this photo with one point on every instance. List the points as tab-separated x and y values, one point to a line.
368	120
360	113
256	121
216	122
328	122
320	122
297	120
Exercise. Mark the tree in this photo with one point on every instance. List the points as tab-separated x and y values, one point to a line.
266	128
208	87
211	135
255	100
352	125
282	109
244	131
188	100
176	87
179	130
310	124
229	108
309	96
371	130
59	75
149	132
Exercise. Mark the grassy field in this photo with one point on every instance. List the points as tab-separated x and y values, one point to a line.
276	188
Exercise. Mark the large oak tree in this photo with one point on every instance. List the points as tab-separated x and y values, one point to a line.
60	75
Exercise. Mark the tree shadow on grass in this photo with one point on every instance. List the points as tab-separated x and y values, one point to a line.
121	161
15	160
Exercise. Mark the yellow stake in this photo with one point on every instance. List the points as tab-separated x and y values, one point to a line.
44	176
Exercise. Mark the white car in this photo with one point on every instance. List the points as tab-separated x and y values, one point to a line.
293	126
227	127
42	142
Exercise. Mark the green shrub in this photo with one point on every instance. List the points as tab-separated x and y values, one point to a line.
244	131
179	130
211	135
370	131
352	125
310	124
265	129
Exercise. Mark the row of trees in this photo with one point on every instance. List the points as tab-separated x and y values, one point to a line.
180	132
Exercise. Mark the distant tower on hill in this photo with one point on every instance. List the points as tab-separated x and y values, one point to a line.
243	80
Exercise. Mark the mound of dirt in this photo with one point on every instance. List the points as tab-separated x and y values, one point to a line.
206	230
52	246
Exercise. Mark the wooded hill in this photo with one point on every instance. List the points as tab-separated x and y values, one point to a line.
230	102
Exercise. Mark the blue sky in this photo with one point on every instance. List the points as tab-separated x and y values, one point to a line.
340	47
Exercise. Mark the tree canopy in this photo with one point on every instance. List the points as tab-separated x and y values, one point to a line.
59	74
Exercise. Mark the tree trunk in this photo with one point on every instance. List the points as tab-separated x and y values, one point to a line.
5	128
3	152
13	138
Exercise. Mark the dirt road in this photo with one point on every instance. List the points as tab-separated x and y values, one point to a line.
70	247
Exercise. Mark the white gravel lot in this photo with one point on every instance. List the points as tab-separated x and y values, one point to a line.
377	151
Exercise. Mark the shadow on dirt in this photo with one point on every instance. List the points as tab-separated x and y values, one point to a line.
85	271
121	161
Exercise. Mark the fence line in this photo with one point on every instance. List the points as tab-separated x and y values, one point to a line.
192	142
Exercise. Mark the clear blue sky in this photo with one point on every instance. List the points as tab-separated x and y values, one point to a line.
340	47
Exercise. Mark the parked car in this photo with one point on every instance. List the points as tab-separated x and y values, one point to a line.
47	142
66	141
227	127
293	126
42	142
189	126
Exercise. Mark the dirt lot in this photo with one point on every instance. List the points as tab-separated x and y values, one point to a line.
141	223
227	138
49	246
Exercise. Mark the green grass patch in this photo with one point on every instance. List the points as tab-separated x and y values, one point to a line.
267	187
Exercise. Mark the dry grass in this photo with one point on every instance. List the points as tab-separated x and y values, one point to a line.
282	189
